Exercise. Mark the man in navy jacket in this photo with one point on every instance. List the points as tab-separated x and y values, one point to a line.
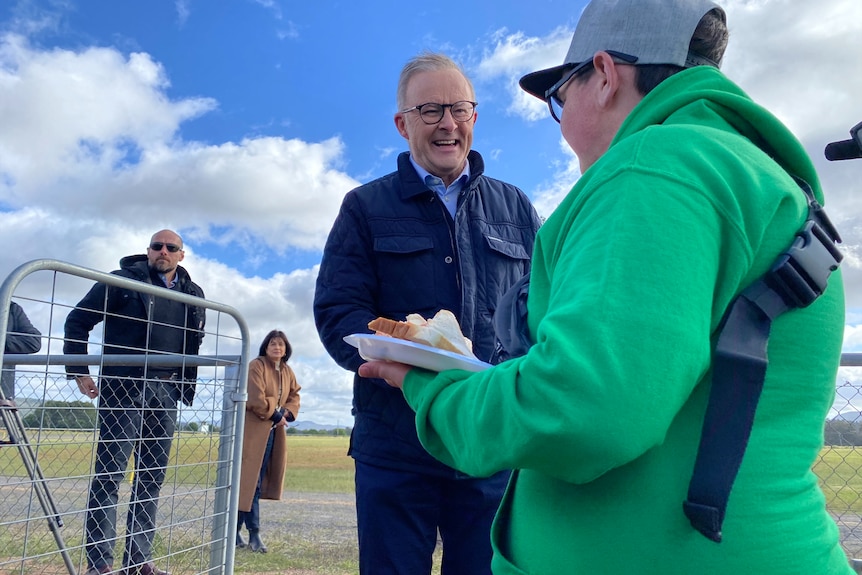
435	234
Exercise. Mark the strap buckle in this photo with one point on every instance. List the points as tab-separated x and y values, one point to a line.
800	274
796	279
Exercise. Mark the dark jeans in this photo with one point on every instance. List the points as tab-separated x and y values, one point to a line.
399	514
251	518
138	415
7	381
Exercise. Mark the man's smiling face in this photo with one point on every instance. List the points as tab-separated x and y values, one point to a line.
439	148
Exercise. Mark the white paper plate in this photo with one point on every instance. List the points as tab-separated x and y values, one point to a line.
372	346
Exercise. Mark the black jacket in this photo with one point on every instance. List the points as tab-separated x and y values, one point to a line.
125	332
395	250
21	337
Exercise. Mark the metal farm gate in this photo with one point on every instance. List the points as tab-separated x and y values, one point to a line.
48	437
49	433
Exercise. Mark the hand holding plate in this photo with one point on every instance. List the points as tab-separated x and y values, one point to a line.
391	372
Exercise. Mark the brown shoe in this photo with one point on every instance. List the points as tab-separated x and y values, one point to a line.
148	568
98	570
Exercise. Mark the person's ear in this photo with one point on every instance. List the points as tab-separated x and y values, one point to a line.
609	78
401	125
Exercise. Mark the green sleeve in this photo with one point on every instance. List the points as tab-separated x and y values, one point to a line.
621	309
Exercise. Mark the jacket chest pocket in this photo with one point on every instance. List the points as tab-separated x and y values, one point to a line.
407	272
509	249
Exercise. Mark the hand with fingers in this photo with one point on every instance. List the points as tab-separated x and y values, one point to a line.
392	373
87	386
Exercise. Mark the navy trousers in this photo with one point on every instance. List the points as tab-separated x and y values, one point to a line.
400	513
251	518
133	415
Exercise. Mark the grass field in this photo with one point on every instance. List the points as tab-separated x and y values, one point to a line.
840	473
319	464
315	463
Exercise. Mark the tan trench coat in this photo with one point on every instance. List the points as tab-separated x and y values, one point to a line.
265	386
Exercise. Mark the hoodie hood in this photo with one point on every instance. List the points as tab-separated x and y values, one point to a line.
139	266
704	95
131	261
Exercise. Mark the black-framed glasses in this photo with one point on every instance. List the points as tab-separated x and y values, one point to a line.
432	112
157	247
555	104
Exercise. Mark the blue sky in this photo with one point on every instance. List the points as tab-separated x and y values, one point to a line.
242	123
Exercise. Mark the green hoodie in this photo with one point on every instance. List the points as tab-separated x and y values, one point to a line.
601	419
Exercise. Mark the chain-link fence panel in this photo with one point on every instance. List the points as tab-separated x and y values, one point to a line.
64	454
128	469
839	466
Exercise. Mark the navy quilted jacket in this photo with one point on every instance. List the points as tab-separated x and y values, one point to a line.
394	250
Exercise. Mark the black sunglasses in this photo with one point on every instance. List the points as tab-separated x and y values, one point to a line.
157	247
555	105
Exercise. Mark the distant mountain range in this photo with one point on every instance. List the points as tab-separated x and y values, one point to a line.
302	425
849	416
27	406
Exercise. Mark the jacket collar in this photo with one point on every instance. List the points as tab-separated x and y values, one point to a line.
412	185
138	265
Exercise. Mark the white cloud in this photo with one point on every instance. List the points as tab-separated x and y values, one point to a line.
514	54
796	59
289	32
64	131
183	11
280	302
272	6
90	158
792	56
59	116
548	196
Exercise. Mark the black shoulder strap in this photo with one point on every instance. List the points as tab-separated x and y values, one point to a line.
797	278
510	322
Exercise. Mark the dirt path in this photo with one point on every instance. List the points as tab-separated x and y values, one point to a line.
327	518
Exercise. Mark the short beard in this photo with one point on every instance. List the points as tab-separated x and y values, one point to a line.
163	267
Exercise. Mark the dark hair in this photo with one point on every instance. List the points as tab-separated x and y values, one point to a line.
709	40
276	333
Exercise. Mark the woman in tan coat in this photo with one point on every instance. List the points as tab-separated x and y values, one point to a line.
273	401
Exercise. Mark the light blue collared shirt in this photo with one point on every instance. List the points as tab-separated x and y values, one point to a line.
165	281
449	196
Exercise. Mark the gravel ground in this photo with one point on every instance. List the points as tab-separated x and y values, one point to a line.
323	522
311	524
321	525
330	518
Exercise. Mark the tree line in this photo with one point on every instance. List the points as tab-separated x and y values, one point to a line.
62	415
82	415
842	432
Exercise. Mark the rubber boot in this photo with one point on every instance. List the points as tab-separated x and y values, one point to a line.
254	542
240	542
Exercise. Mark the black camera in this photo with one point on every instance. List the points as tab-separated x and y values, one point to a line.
846	149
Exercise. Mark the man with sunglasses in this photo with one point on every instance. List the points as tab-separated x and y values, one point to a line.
435	234
137	404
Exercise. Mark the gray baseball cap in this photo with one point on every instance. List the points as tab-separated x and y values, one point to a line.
650	31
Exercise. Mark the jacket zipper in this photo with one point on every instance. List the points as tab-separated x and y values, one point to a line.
453	243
